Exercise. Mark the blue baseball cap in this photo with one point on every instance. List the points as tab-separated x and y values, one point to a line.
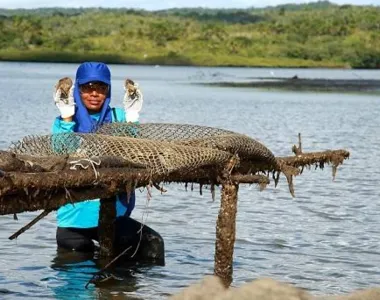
93	71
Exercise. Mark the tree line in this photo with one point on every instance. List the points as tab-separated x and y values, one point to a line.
319	34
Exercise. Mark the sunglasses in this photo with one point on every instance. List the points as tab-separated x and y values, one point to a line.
97	86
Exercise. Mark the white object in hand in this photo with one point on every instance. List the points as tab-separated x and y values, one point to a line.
133	100
65	103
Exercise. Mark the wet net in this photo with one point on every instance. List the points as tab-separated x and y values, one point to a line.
161	148
196	136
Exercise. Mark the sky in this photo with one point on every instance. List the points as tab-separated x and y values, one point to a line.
159	4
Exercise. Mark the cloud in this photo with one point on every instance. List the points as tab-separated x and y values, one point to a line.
154	4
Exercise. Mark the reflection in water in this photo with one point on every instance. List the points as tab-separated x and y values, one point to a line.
76	269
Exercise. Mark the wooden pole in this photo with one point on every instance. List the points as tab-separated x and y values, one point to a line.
30	224
225	233
106	228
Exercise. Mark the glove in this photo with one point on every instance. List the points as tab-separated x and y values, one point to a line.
133	100
64	97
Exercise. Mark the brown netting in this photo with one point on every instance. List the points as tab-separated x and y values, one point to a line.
162	148
161	131
159	157
197	136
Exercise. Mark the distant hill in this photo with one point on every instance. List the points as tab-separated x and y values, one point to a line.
320	34
200	13
303	6
50	11
241	16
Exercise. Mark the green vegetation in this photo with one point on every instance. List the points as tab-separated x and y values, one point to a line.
319	34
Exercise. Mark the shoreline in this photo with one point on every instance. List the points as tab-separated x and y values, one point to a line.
167	59
305	84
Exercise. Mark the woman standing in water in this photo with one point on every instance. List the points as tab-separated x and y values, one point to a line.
86	108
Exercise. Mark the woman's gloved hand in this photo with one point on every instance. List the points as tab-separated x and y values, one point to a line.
64	97
133	100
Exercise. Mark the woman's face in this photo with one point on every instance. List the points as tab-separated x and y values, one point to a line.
93	95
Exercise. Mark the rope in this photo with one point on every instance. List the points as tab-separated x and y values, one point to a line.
79	163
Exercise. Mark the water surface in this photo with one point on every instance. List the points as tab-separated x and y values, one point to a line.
325	240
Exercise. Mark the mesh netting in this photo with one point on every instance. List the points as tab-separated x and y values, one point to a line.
160	157
196	136
162	131
162	148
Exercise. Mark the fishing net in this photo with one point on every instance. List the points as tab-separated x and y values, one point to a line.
161	131
162	148
196	136
160	157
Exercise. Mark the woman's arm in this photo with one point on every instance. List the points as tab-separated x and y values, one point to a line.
62	126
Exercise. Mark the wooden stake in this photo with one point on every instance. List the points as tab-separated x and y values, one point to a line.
106	227
30	224
225	233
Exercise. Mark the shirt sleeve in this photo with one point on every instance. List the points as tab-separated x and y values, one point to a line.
120	115
60	126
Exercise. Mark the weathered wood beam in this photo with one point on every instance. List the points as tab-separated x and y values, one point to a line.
310	158
14	181
21	192
48	200
67	178
225	233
